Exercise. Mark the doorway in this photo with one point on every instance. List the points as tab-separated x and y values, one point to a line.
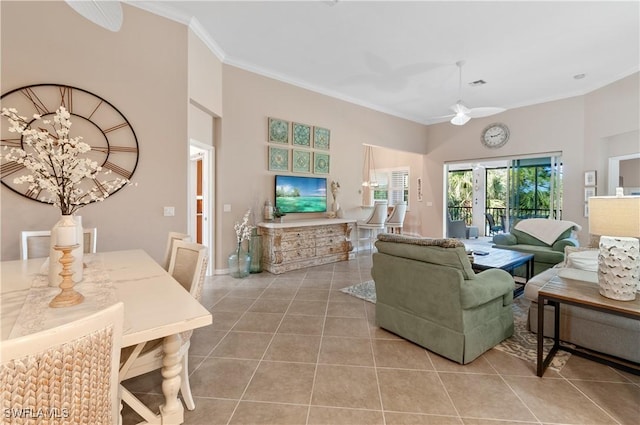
200	206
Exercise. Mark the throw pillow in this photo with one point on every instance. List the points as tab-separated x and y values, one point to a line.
581	258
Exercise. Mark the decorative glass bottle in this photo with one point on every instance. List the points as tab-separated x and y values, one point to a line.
255	252
239	262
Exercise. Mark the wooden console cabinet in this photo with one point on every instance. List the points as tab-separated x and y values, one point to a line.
299	244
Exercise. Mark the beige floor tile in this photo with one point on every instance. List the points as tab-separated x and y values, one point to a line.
252	293
204	340
294	348
348	308
224	320
346	351
413	391
346	386
581	368
254	413
303	325
270	306
484	396
316	283
342	326
340	416
210	412
308	308
479	365
394	418
222	378
243	345
281	382
274	292
400	354
234	304
311	294
622	401
150	382
379	333
476	421
557	401
258	322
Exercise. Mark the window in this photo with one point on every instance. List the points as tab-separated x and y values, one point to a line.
393	185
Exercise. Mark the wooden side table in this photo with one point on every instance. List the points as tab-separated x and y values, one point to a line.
582	294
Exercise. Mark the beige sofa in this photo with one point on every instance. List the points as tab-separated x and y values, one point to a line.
594	330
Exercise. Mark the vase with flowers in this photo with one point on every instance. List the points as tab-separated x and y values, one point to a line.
61	171
239	260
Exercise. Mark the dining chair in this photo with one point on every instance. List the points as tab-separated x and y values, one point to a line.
395	221
70	371
187	265
172	237
372	224
35	243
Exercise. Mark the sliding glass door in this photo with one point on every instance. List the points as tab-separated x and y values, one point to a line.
535	188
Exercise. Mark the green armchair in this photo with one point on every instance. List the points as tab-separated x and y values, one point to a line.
427	293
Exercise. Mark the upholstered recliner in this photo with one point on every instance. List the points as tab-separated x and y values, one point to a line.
427	293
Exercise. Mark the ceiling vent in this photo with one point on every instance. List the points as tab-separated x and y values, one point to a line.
478	83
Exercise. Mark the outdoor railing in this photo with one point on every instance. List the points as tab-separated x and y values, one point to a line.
499	214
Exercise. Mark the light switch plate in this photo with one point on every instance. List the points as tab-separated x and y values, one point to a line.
169	211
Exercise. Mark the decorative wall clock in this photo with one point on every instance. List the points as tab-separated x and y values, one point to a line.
495	135
113	142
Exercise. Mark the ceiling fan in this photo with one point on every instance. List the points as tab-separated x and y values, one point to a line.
463	114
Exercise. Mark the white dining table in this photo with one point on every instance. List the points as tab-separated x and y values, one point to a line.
155	306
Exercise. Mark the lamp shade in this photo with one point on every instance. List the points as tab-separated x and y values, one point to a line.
614	216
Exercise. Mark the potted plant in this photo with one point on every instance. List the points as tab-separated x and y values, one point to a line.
278	214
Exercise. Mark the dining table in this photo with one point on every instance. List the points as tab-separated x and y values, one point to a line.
155	306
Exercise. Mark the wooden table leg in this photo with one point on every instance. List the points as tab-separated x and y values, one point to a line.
540	336
172	411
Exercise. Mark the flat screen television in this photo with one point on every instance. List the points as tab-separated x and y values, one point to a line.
300	194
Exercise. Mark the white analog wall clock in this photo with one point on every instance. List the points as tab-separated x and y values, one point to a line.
113	142
495	135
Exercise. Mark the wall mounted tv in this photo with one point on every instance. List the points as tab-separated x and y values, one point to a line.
299	194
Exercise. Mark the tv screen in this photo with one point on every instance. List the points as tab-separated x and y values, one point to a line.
298	194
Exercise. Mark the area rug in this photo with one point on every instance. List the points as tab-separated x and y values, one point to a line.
523	344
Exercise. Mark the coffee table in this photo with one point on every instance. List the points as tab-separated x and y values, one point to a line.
504	259
582	294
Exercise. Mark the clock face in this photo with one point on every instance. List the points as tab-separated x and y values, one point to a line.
113	142
495	135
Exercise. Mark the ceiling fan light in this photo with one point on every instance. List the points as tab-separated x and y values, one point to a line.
460	119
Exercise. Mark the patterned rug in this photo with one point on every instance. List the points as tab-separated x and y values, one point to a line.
523	344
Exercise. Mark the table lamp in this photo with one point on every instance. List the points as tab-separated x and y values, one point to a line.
617	220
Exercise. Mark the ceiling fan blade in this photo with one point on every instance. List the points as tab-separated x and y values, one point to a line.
484	111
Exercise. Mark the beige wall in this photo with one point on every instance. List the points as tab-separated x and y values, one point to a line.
144	78
243	179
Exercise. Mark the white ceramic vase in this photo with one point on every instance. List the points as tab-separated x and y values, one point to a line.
54	255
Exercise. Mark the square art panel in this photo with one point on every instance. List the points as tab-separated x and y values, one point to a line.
320	163
301	161
302	135
278	131
278	159
321	138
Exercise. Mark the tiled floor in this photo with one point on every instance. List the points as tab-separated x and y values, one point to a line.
292	349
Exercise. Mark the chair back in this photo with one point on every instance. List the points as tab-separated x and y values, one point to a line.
35	243
69	370
171	238
188	265
379	214
397	215
490	220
